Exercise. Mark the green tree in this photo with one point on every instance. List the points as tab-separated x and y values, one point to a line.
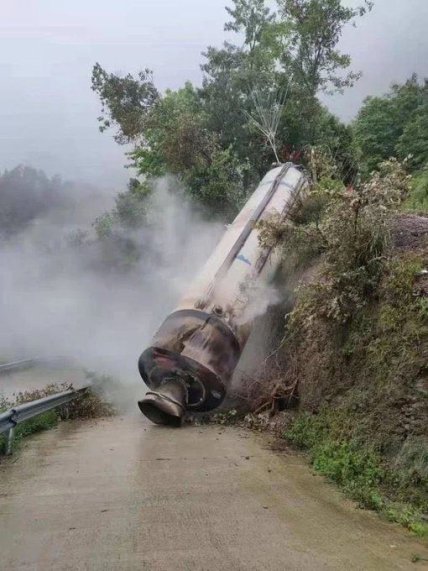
175	137
27	194
129	212
336	139
255	21
395	125
292	52
250	17
126	101
221	186
418	198
413	142
309	32
233	72
376	132
119	245
286	56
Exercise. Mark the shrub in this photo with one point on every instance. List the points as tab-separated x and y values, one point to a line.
358	469
418	198
351	233
87	405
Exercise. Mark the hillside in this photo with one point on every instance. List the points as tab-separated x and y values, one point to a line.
351	368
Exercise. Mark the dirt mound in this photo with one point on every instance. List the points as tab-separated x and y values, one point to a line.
410	233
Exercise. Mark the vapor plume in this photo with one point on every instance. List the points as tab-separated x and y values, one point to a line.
56	301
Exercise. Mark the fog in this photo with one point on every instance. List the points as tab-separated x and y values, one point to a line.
56	302
387	46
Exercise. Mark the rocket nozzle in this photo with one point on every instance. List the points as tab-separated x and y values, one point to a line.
165	405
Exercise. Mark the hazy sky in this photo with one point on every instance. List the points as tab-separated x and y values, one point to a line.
48	47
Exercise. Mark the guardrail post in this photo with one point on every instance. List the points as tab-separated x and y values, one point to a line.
9	440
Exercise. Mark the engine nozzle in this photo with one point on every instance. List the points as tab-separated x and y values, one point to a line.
167	404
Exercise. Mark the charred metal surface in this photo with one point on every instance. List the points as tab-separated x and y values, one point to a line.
194	349
167	405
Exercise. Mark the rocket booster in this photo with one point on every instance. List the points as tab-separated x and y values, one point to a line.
193	355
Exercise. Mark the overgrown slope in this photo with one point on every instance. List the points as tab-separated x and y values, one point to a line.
356	343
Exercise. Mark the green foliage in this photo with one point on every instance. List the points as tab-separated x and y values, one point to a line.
25	195
356	233
104	226
42	422
349	228
395	125
222	93
129	214
400	329
292	52
336	140
175	135
219	186
310	31
413	142
356	341
91	404
207	136
248	66
357	470
356	467
376	132
179	142
417	201
125	101
251	17
118	231
369	430
88	405
131	207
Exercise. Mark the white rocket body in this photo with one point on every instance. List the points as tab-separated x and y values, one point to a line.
193	355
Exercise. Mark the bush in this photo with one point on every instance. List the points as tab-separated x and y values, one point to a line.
42	422
351	233
356	341
219	186
356	468
87	405
418	198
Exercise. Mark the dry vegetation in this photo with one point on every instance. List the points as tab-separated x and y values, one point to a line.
355	347
90	404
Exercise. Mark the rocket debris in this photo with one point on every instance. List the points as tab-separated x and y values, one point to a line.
191	360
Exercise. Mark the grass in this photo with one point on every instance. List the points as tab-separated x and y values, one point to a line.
87	405
356	343
363	414
358	470
417	202
44	421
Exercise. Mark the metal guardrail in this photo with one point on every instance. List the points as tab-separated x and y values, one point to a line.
11	418
17	365
36	361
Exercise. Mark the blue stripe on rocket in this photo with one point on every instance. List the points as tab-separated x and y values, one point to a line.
243	259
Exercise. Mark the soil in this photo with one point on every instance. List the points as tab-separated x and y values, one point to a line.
410	233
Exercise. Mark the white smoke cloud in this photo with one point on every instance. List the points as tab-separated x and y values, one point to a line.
53	301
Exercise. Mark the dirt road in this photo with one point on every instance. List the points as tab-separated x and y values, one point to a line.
120	494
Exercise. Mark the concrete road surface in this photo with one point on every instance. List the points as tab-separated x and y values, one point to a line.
120	494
